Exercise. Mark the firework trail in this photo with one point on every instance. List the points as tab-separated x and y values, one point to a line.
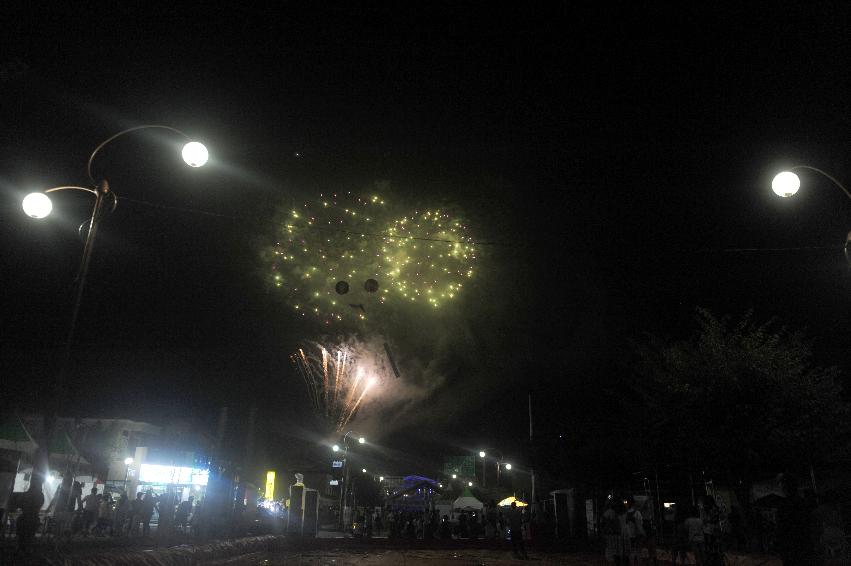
334	380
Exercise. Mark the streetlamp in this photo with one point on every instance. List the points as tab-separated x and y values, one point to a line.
482	455
127	461
786	183
345	488
38	205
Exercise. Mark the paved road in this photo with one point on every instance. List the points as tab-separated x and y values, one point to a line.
416	557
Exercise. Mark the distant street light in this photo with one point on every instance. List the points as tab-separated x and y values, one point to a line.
345	487
335	448
470	484
363	470
787	183
482	454
508	466
38	205
454	476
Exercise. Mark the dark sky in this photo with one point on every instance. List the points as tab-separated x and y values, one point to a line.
623	153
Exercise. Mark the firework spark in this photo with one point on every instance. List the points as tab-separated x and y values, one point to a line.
336	381
418	258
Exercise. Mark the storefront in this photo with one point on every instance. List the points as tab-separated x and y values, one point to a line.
180	473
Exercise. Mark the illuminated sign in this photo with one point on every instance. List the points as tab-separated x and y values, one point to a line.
163	474
336	463
270	485
333	482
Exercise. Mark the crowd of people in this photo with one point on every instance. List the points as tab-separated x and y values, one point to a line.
489	523
102	514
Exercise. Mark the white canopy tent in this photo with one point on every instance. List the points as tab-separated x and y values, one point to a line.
467	502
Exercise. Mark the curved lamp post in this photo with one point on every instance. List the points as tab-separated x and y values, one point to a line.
38	205
786	183
345	487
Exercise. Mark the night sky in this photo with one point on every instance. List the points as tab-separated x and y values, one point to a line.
619	158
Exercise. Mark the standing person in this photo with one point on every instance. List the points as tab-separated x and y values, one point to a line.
135	514
793	526
75	502
379	525
696	541
91	504
711	517
148	504
181	518
106	515
30	503
634	524
122	510
610	526
165	511
515	523
680	547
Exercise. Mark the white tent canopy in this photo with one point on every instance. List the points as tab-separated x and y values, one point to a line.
467	502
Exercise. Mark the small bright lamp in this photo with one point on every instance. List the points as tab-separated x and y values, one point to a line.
481	454
454	476
508	466
195	154
785	184
470	484
335	448
37	205
363	470
380	478
128	460
361	440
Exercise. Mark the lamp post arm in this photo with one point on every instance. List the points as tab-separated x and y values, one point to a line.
828	176
74	187
121	133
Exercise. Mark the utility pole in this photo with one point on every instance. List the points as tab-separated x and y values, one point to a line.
531	469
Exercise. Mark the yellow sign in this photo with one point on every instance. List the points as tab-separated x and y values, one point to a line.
270	484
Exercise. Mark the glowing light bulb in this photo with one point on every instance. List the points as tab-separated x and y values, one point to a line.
195	154
37	205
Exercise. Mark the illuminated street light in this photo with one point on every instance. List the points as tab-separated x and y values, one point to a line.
380	478
195	154
37	205
470	484
454	476
363	470
482	454
335	448
787	183
362	440
508	466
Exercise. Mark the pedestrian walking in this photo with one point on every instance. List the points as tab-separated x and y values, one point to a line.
696	539
122	513
135	514
106	515
634	527
148	505
30	504
181	518
91	505
515	523
611	529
